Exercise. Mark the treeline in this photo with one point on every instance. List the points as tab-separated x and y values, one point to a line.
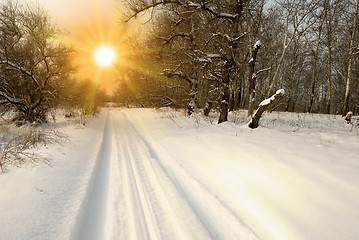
36	71
232	54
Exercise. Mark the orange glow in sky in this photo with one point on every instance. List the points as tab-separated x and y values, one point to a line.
91	24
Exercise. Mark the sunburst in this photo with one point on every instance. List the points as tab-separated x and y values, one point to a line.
105	56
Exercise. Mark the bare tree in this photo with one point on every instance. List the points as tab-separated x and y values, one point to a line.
297	19
33	65
207	47
204	38
350	59
17	148
328	17
315	47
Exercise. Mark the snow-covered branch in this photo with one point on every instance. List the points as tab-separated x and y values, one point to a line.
12	100
210	9
21	69
227	37
143	6
170	73
257	45
263	70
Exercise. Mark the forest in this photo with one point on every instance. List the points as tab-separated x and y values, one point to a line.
201	55
226	55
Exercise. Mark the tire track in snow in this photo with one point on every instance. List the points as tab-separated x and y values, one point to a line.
216	218
144	219
151	207
92	215
135	192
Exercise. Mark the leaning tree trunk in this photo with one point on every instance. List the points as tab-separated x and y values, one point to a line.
263	106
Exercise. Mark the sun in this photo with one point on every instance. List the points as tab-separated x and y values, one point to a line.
105	55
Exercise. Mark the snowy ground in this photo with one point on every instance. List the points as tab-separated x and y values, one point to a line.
154	174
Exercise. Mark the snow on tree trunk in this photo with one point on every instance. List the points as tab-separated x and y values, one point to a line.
193	94
252	77
264	105
207	108
348	117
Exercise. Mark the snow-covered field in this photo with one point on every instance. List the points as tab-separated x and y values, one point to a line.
155	174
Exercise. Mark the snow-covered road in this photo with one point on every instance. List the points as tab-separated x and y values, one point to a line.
279	185
145	174
163	186
137	195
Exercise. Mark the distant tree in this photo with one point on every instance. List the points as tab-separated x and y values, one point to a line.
85	96
309	48
34	66
203	41
296	19
314	41
351	51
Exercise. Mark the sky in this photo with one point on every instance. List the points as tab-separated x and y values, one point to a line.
87	25
69	13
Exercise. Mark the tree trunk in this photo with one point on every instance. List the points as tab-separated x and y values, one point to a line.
263	106
350	59
223	117
207	108
315	64
231	101
328	22
193	101
329	94
252	77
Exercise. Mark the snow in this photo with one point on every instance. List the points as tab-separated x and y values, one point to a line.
271	99
228	15
257	44
214	55
254	76
155	174
280	92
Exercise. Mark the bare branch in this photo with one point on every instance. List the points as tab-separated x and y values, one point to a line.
175	35
18	150
169	73
21	69
263	70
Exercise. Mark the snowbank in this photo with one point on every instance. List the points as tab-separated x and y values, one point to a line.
296	177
